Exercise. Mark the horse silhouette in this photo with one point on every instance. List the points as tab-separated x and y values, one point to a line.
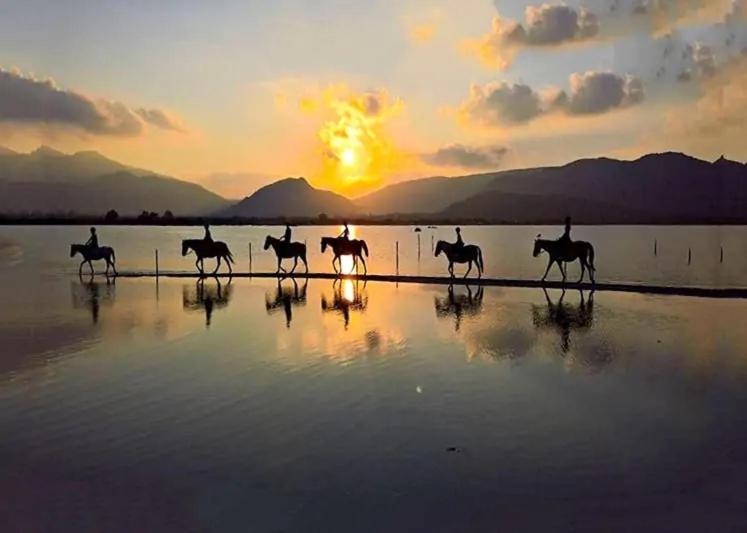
89	254
561	252
286	298
469	253
344	301
341	246
203	249
459	305
206	298
287	250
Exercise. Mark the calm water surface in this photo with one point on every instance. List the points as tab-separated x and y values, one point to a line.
253	406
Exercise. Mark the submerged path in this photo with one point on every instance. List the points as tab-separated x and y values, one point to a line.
704	292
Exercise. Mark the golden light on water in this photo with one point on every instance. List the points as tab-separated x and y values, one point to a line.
348	290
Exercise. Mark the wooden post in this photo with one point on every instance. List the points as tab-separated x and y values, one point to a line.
722	255
418	246
655	246
431	242
689	256
396	247
156	263
250	258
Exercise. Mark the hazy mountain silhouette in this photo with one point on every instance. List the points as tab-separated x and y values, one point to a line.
291	197
49	181
668	187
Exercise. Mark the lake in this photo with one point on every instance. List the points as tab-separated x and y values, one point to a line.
253	405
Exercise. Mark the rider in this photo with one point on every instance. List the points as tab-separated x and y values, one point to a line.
459	242
565	239
345	232
287	235
208	237
93	240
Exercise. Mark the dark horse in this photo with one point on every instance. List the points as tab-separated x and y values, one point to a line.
340	246
287	250
581	250
465	254
203	249
94	254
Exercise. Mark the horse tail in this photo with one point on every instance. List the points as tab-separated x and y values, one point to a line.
479	260
114	258
364	246
229	256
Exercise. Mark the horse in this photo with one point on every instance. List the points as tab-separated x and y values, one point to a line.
203	249
94	254
287	250
559	253
465	254
341	246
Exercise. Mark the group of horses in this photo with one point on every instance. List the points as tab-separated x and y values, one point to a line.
559	252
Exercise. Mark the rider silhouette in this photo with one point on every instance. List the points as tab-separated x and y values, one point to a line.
93	240
345	233
459	242
287	235
565	239
208	237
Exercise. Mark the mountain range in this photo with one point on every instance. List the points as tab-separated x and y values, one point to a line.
87	183
656	188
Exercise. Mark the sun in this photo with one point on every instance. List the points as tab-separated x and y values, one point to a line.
348	157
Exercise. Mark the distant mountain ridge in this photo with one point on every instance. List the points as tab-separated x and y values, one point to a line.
88	183
291	198
656	188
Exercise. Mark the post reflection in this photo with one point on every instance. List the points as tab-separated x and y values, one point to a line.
347	295
564	317
91	295
459	304
286	298
206	296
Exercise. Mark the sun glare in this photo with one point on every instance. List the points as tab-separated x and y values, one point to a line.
348	157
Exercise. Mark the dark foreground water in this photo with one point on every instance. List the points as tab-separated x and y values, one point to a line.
184	406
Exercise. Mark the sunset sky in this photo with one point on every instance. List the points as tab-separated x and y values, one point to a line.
354	95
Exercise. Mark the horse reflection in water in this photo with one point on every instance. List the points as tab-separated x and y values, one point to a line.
564	318
207	297
91	295
459	305
285	298
347	295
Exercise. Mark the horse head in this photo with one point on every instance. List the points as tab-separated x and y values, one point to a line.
73	250
268	242
537	246
439	248
324	243
185	247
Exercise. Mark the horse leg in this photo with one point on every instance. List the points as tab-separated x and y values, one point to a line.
197	265
451	269
217	264
560	266
80	268
305	264
295	263
90	264
550	261
365	268
583	269
469	268
230	270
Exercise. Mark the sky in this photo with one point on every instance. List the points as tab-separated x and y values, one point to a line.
356	95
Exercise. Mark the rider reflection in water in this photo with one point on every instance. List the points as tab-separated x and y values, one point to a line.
93	240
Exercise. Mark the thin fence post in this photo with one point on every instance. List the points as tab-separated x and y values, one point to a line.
396	247
156	262
689	256
655	247
722	255
431	242
250	258
418	246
